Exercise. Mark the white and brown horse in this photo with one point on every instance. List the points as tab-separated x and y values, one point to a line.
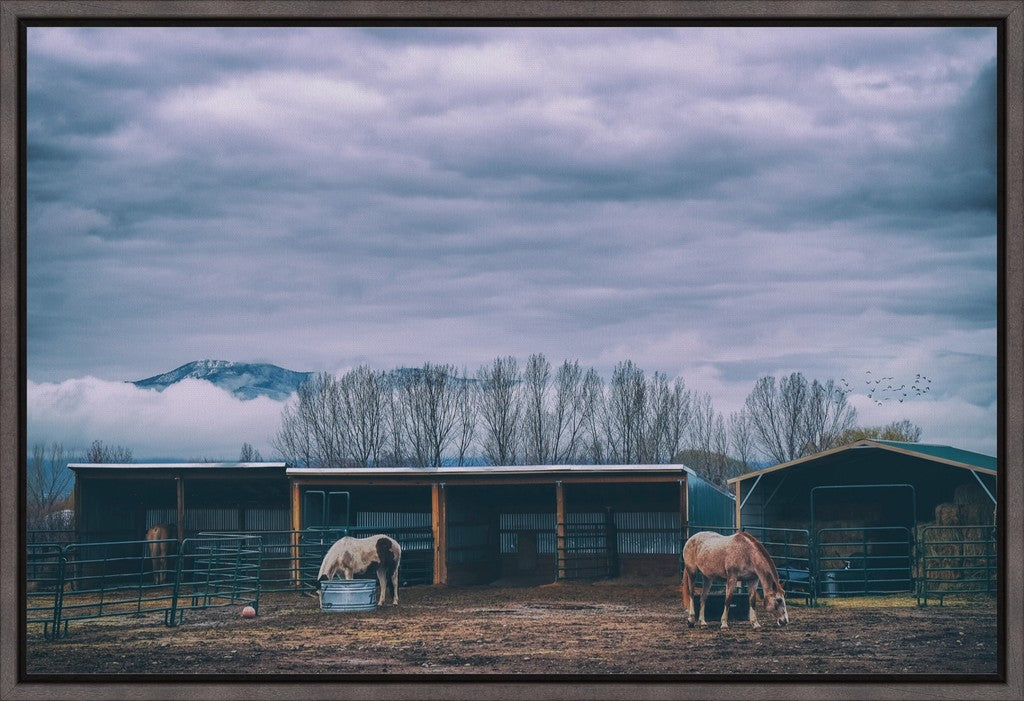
736	558
158	544
351	556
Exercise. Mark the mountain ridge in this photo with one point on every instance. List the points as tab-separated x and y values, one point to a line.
243	380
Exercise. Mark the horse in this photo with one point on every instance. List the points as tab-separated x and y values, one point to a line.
735	558
159	548
352	556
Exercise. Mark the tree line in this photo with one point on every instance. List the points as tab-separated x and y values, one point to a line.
504	414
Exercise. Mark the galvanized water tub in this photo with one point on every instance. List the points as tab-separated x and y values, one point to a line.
341	595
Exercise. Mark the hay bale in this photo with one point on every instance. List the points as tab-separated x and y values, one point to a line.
970	493
947	515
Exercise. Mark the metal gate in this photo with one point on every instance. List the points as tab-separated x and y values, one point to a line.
866	559
588	547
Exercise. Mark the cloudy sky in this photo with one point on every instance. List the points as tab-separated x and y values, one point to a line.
712	203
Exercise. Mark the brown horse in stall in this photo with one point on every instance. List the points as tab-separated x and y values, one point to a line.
159	549
736	558
352	556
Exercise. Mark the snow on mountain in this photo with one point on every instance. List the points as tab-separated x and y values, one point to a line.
243	380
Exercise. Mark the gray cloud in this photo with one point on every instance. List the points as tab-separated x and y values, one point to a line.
719	203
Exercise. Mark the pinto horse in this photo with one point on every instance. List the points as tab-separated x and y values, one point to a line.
159	550
352	556
736	558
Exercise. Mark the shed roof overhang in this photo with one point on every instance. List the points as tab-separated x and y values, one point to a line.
190	469
976	462
515	474
891	452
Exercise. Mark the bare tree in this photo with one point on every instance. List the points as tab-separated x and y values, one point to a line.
500	410
741	438
467	416
595	409
363	415
666	420
311	426
98	452
709	446
569	414
793	417
624	416
826	417
903	431
249	454
48	482
538	430
431	409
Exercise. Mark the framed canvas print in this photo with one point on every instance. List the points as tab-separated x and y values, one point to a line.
578	350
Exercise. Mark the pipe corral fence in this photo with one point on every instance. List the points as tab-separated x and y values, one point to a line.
71	582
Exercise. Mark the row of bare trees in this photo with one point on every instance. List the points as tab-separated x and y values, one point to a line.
504	414
48	480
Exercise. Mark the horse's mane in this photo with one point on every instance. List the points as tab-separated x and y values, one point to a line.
774	578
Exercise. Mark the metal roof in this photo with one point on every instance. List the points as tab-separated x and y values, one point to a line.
173	465
484	470
943	454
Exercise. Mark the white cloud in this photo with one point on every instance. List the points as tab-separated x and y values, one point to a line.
190	420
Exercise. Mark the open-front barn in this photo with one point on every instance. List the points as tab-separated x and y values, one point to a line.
460	525
526	523
879	516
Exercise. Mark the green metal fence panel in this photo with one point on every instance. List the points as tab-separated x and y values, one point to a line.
112	578
792	552
44	581
417	543
214	571
867	560
957	561
587	550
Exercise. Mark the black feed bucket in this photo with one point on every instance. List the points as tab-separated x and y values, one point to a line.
739	606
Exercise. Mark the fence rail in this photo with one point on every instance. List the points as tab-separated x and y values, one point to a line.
956	561
82	581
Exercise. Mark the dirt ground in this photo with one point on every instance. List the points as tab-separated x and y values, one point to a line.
566	628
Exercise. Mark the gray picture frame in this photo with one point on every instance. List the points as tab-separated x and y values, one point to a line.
13	13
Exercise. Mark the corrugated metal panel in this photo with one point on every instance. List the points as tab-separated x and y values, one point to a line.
392	519
945	452
206	519
155	516
648	532
709	506
266	519
542	524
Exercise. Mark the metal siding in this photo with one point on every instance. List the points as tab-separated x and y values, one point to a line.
708	505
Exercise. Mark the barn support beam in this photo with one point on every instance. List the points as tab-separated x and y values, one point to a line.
296	515
560	528
180	486
439	525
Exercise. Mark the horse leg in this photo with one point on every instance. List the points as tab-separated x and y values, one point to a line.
382	585
730	584
753	601
394	586
708	582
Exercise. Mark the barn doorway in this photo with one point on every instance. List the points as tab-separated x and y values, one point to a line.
863	538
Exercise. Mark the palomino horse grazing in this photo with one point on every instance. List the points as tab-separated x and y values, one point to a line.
735	558
159	550
352	556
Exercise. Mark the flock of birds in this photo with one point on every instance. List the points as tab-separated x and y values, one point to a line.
879	393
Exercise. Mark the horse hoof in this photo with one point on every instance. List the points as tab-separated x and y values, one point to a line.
725	626
690	624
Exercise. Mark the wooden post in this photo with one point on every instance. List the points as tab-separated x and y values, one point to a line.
180	483
439	524
296	527
560	528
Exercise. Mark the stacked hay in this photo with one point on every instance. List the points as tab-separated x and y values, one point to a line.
959	551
